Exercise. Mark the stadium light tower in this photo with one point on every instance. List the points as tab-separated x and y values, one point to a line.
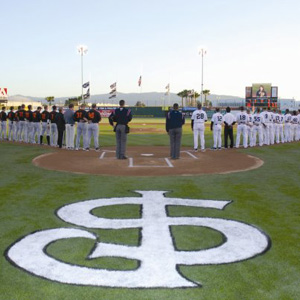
202	51
82	50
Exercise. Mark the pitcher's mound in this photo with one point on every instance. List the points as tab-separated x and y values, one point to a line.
148	161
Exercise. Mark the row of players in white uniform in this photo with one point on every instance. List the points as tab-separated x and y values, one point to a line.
261	128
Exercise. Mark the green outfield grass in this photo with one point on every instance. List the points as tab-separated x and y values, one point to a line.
267	197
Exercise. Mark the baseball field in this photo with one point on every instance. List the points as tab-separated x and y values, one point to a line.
212	236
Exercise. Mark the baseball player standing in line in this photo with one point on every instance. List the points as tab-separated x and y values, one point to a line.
250	128
266	126
280	128
80	116
216	127
16	124
94	118
275	124
28	123
294	126
257	128
242	120
287	125
198	120
229	121
70	127
45	116
21	116
3	118
174	121
298	130
122	116
53	127
36	125
11	127
272	129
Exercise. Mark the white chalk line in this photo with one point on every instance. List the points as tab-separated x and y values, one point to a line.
190	154
131	164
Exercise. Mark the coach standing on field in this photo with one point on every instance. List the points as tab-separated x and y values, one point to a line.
70	126
122	116
174	122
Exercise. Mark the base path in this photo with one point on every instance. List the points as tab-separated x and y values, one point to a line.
148	161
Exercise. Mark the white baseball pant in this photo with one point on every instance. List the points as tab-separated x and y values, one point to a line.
93	130
53	134
242	129
217	129
199	132
70	135
81	131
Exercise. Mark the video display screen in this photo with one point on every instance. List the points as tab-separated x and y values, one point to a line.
261	90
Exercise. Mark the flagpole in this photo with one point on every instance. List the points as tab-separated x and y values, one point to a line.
90	86
141	85
82	50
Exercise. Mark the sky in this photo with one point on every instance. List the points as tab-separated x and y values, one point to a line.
247	42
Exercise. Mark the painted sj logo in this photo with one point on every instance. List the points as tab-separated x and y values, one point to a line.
157	256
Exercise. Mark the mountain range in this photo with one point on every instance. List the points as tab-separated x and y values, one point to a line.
149	99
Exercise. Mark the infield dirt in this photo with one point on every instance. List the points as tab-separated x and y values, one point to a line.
148	161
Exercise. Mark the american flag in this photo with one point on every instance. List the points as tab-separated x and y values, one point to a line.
167	89
87	95
113	86
140	81
85	85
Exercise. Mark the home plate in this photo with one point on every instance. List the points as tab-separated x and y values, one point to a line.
147	154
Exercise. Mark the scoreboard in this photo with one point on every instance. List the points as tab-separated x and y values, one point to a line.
262	95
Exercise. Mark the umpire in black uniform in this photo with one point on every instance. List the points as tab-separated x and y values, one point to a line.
229	121
122	116
174	122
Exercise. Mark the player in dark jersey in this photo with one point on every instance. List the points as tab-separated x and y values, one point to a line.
53	127
3	118
11	127
36	124
80	116
28	122
16	125
45	117
21	116
94	118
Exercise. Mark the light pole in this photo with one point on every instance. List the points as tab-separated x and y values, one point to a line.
82	50
202	52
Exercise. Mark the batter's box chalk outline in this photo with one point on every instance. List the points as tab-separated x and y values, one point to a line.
104	152
190	154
